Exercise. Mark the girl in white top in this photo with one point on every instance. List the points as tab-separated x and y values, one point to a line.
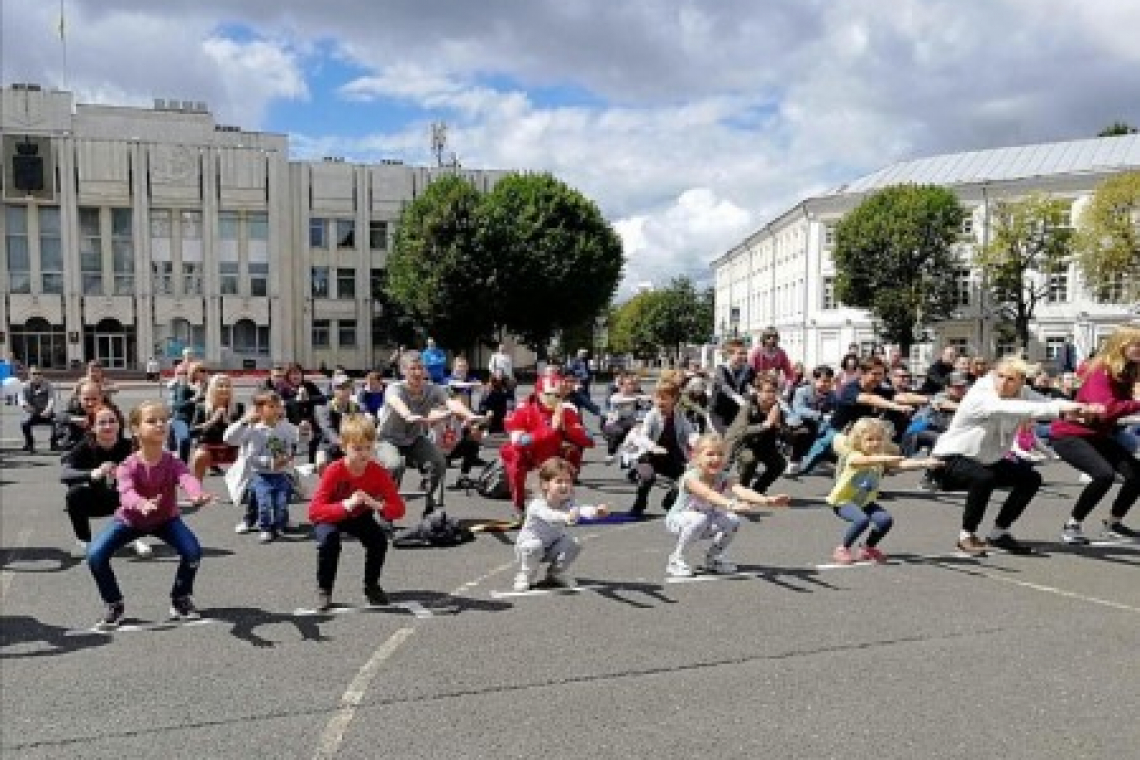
543	536
706	507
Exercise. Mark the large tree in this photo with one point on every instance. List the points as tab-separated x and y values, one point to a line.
680	315
437	272
630	323
1031	242
892	255
555	261
1108	238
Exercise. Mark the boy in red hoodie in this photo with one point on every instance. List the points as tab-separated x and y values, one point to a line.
545	426
350	491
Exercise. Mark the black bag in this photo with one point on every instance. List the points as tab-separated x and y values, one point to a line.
436	529
491	482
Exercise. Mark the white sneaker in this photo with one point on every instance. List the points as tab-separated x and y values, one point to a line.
79	551
793	469
678	568
717	564
1084	479
522	582
610	458
265	536
243	527
142	549
1073	535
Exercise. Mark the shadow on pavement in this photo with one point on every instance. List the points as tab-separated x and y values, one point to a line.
17	630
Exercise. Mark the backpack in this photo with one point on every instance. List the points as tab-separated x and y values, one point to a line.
436	529
491	482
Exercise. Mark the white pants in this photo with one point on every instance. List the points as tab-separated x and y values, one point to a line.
560	553
691	525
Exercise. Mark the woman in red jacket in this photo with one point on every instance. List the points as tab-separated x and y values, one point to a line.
350	491
1093	447
544	426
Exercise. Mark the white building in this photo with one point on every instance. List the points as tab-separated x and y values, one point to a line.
783	274
131	231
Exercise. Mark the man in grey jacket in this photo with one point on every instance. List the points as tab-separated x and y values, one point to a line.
37	399
974	449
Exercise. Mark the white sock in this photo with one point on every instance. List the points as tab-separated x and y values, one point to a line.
1073	523
963	535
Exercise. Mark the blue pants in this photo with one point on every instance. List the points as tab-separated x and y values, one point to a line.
862	518
178	439
271	494
174	533
820	449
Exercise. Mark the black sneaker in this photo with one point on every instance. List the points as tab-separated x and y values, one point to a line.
1116	530
183	608
1007	543
112	617
324	601
375	596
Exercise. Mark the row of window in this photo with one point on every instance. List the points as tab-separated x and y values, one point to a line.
324	279
341	234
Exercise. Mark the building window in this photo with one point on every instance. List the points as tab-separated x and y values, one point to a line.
1111	292
90	251
1006	347
960	344
122	251
345	233
320	287
1058	286
961	287
966	230
259	278
229	274
228	223
245	337
1055	348
378	235
318	233
320	333
191	225
828	302
16	247
829	235
192	278
160	223
377	278
51	251
346	284
163	272
346	333
258	224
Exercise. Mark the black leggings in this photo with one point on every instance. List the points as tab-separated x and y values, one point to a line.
979	480
1101	458
760	449
87	501
371	536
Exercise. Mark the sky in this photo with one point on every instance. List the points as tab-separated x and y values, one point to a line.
691	123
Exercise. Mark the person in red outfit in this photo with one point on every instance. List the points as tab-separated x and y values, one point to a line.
350	491
544	426
768	357
1093	445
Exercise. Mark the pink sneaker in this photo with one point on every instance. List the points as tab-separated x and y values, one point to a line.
843	555
872	554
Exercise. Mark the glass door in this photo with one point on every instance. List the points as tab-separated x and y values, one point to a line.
111	350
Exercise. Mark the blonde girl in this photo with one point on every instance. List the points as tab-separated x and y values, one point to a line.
211	418
707	503
865	455
147	483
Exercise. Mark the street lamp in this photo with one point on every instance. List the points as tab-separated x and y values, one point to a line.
599	339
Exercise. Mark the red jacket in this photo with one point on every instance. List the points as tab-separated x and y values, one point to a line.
1099	388
535	420
337	484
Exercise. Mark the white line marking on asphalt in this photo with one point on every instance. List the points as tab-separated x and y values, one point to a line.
166	625
1064	593
543	591
331	738
415	608
1122	544
6	576
700	577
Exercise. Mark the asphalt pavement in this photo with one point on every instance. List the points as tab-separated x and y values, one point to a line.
932	656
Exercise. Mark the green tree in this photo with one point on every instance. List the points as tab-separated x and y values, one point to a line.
1117	128
680	314
892	255
1108	238
555	261
1030	241
629	326
437	273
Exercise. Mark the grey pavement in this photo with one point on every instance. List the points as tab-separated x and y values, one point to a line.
936	656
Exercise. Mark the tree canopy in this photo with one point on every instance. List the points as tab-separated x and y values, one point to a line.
1108	239
892	255
1031	240
673	316
1117	128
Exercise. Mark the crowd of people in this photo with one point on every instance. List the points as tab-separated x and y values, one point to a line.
719	438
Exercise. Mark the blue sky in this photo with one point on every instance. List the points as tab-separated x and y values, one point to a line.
690	123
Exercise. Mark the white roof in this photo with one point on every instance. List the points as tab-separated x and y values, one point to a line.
1097	155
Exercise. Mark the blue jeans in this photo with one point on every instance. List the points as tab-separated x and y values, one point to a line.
174	533
862	518
820	449
178	439
271	494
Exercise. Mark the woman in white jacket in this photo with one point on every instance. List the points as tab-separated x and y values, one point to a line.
975	445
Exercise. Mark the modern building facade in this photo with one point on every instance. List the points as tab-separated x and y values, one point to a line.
782	275
131	232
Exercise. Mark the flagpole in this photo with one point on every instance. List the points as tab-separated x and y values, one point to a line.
63	41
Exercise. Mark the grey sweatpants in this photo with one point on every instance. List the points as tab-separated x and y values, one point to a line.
560	553
692	525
